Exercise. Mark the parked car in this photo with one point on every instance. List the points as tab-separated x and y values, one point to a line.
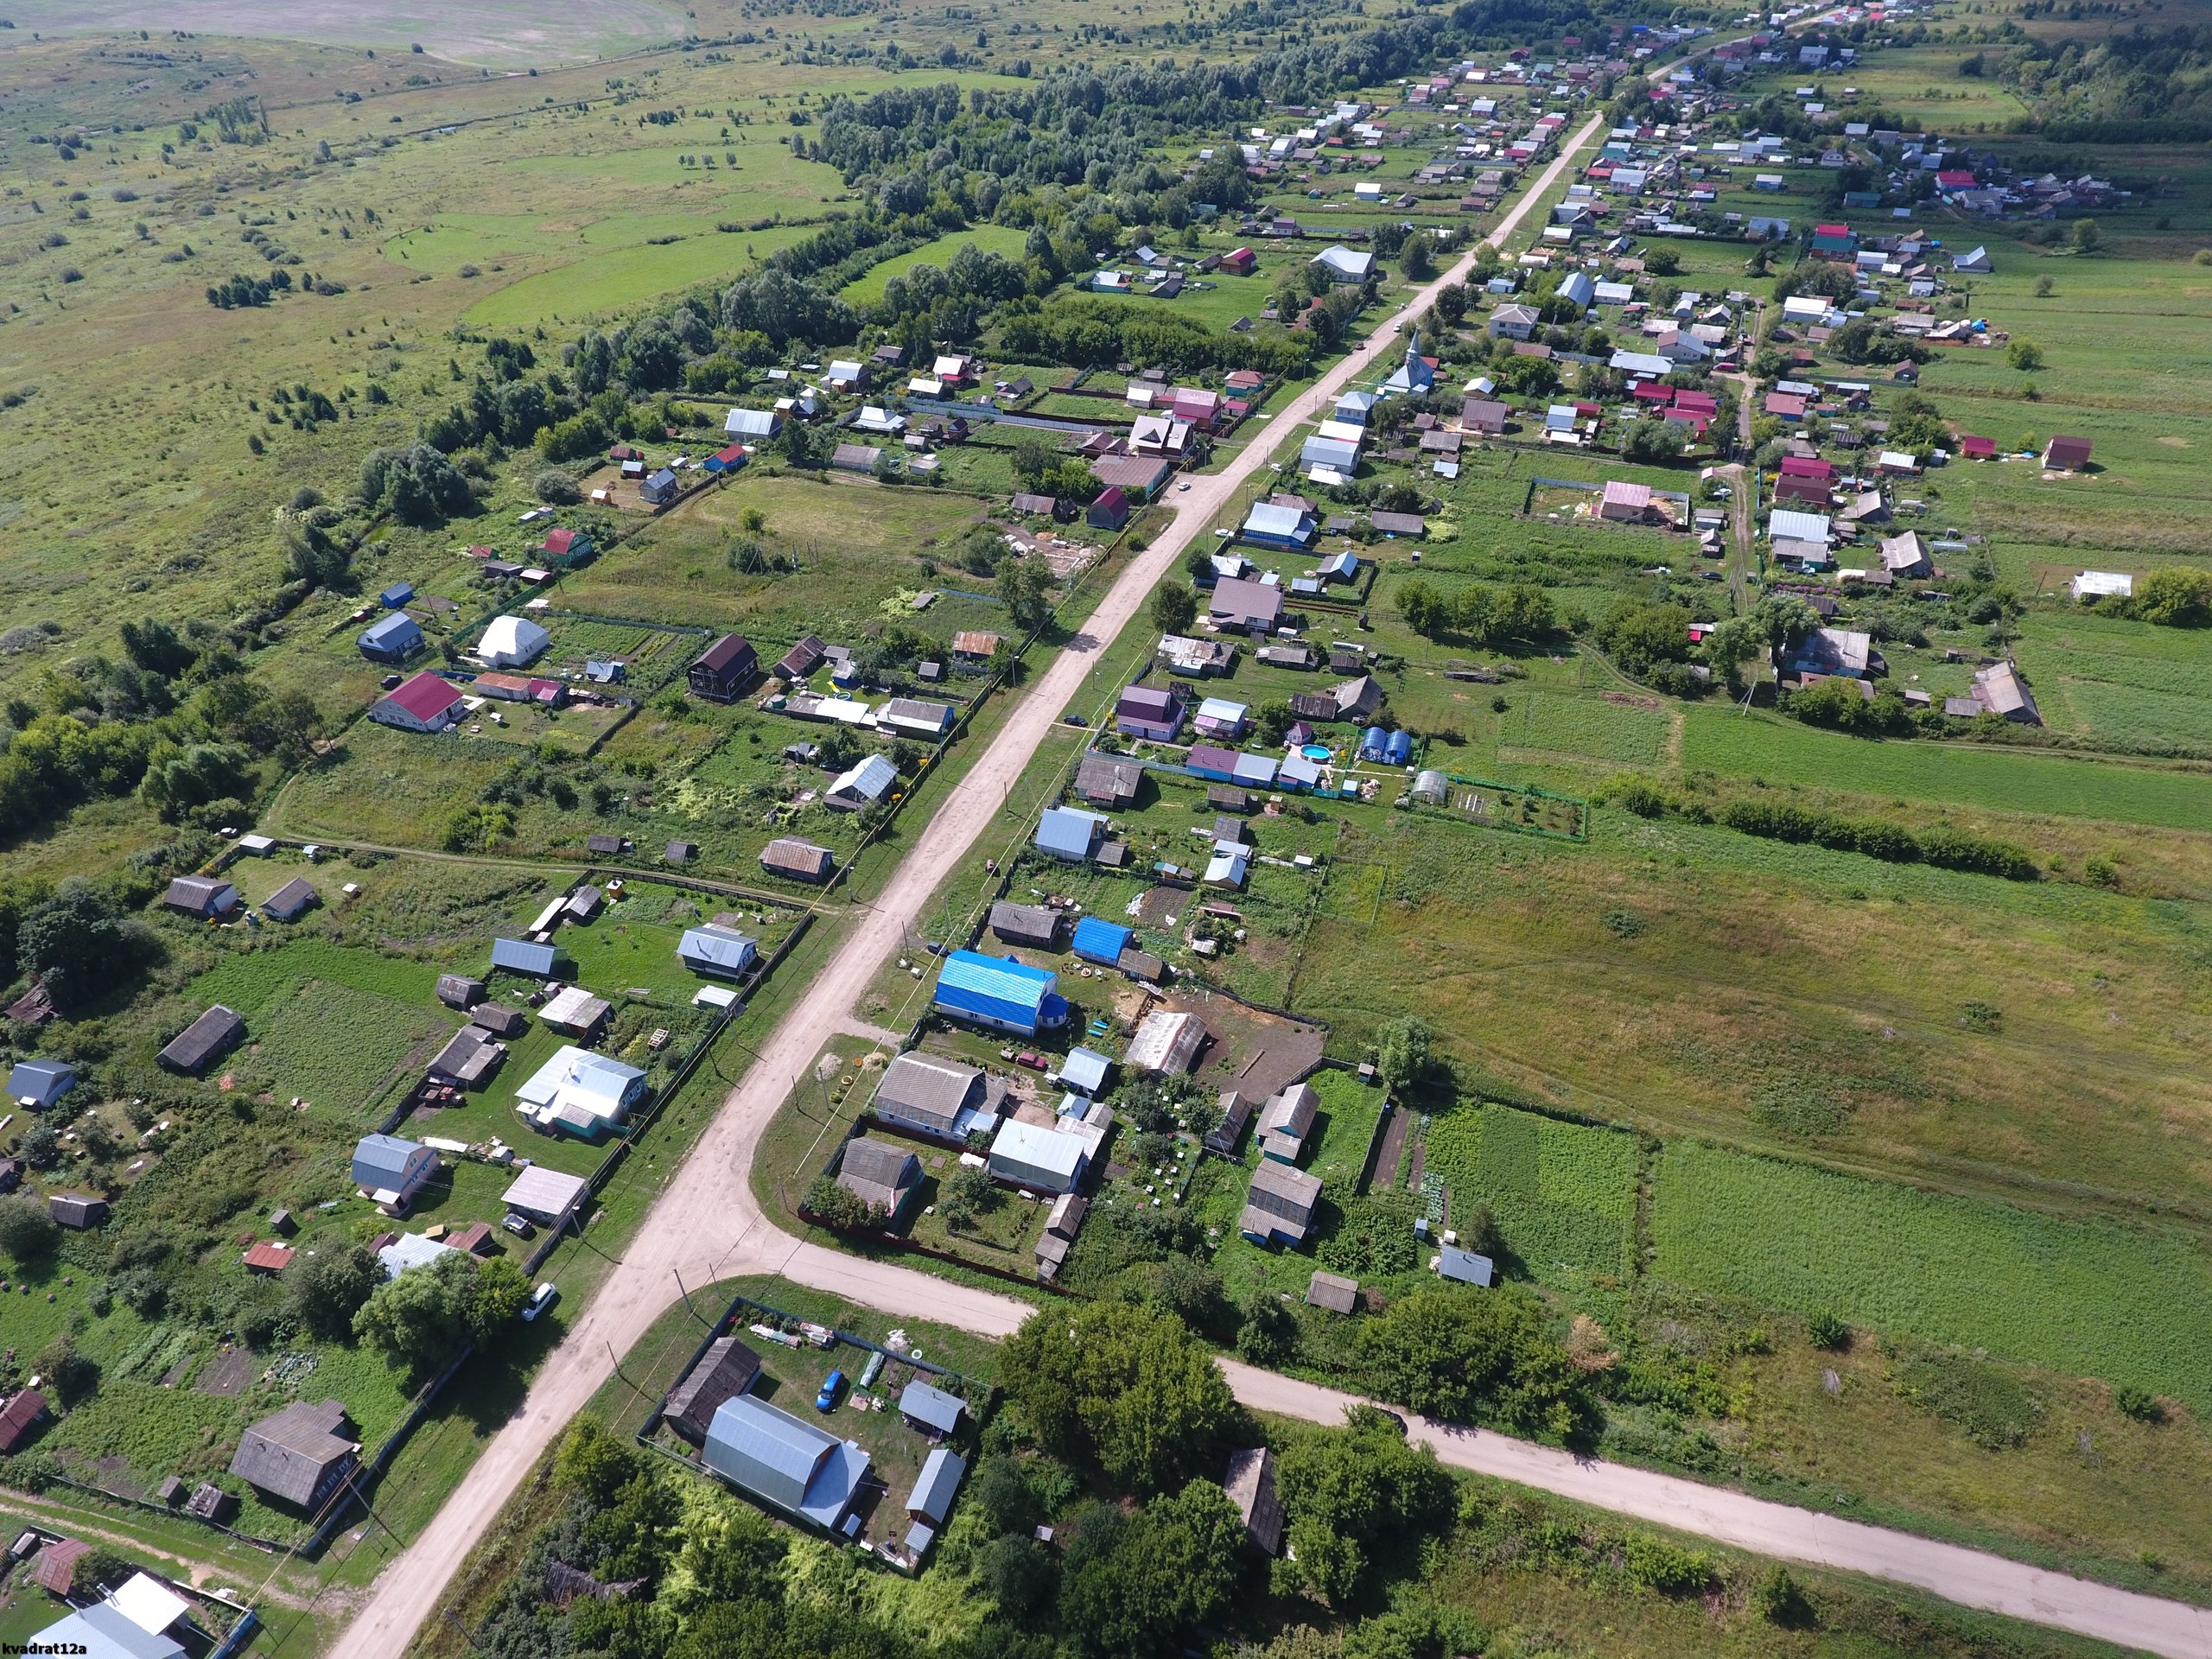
541	1299
832	1386
1079	719
1030	1058
520	1226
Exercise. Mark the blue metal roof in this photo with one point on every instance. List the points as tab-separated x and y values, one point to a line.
1258	770
717	947
384	1157
103	1631
940	1479
933	1406
1068	832
1100	940
397	632
783	1459
397	594
997	986
44	1081
1464	1265
1085	1070
523	958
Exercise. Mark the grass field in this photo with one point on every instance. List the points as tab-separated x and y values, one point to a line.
1001	239
2118	1303
2005	780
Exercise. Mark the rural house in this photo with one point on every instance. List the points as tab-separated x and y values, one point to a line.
202	1040
724	1371
1280	1204
1250	1485
879	1175
998	993
718	952
300	1455
862	786
784	1461
512	642
798	860
1254	607
1103	781
388	1170
204	896
1287	1121
2066	455
423	703
35	1085
1039	1159
468	1059
580	1093
391	640
725	669
1070	833
1032	926
933	1096
1155	712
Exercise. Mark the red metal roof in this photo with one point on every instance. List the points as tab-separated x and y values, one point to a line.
560	541
21	1412
55	1570
426	696
269	1256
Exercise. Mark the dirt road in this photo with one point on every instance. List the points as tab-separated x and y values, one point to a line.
706	1225
1965	1576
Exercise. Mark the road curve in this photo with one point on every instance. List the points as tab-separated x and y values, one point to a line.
706	1225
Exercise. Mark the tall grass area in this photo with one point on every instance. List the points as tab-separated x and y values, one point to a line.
2129	1305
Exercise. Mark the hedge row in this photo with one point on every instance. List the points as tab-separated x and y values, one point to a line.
1939	844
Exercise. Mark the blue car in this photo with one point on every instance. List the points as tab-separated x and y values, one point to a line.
832	1386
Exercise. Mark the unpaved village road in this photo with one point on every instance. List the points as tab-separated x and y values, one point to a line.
706	1225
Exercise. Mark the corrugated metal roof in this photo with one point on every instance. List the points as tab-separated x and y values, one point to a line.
1069	832
932	1406
998	979
717	947
765	1450
1100	940
940	1479
519	956
381	1160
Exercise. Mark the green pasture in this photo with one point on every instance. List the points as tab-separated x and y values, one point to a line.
1780	751
626	276
2087	1298
1002	239
1698	980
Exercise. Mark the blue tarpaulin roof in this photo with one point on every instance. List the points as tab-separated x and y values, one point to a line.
1099	940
